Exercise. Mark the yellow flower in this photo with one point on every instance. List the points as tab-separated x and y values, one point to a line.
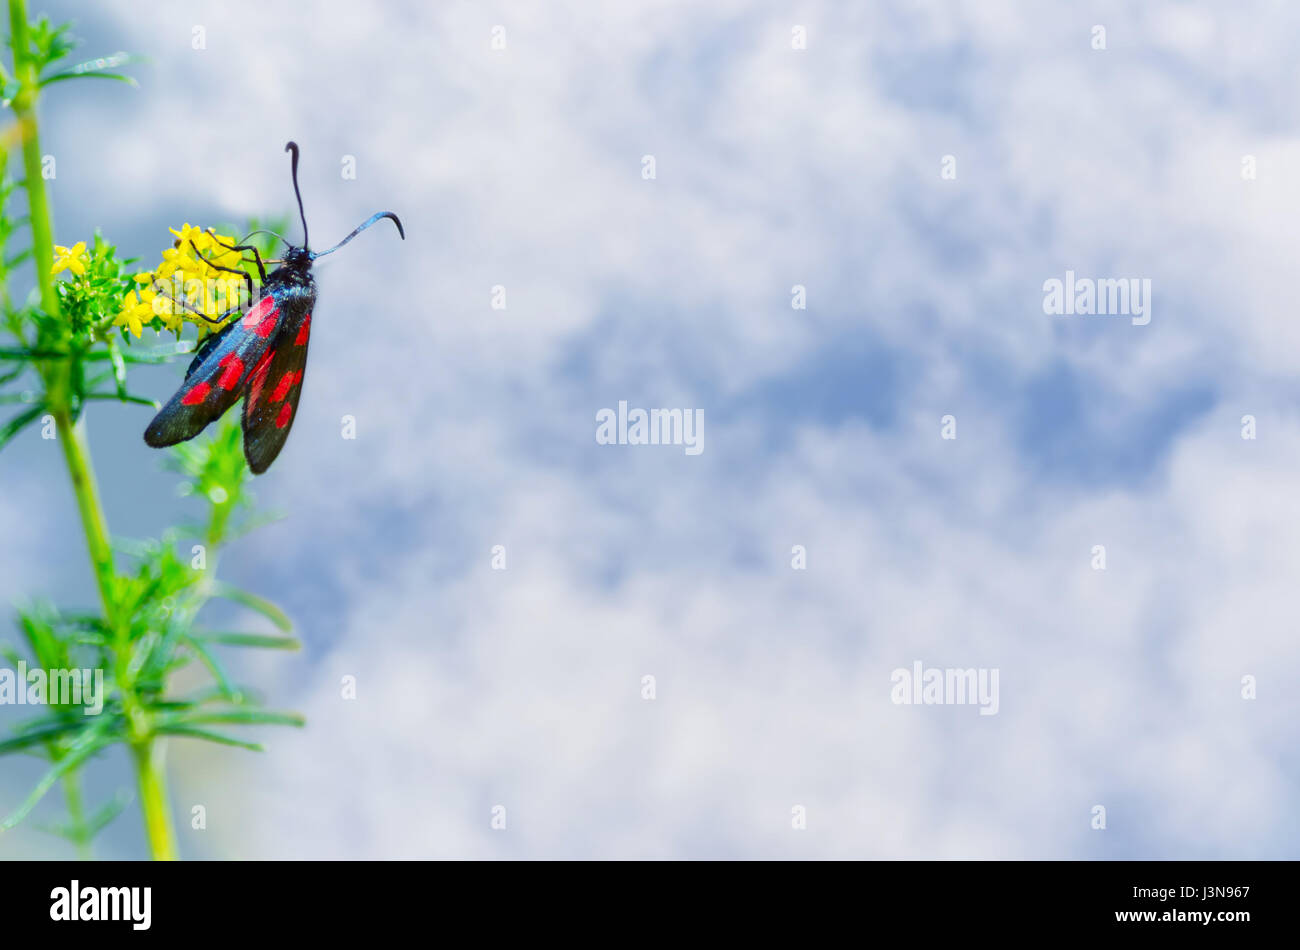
134	312
69	258
178	257
184	233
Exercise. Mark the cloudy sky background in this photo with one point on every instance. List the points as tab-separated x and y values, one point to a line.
475	427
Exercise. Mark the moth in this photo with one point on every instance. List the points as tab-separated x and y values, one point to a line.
261	355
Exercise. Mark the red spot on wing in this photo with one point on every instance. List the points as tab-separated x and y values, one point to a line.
259	378
258	311
196	395
303	332
262	316
267	326
282	419
234	371
285	384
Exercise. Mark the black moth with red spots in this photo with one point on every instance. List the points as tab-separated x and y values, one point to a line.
261	356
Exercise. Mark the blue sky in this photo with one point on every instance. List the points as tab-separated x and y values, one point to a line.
775	167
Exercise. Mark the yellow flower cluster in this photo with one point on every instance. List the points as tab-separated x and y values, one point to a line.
187	273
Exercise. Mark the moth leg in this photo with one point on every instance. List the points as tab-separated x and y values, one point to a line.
257	257
219	318
252	295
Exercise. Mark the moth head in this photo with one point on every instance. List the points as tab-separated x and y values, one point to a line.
297	257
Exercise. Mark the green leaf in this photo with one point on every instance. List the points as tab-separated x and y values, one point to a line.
263	606
59	77
190	732
134	547
19	422
178	661
141	653
268	641
24	353
124	397
39	736
154	357
95	823
215	668
77	376
38	626
67	831
119	366
254	521
169	706
94	68
108	811
91	742
240	717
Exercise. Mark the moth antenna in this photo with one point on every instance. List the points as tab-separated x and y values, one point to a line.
378	215
293	147
264	231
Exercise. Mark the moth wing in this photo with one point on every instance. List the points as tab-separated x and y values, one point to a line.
275	386
216	376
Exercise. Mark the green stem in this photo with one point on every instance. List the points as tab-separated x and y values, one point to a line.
77	814
146	749
24	106
4	248
76	454
152	776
